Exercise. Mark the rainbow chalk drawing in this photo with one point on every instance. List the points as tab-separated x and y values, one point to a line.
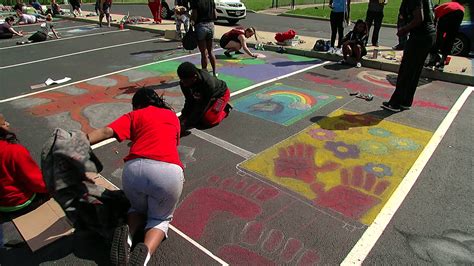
347	162
282	104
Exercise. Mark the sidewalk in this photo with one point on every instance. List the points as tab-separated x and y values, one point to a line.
460	69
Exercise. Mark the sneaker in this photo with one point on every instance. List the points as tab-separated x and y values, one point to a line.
404	107
358	65
375	44
227	109
120	250
338	51
238	52
139	255
390	107
227	53
331	50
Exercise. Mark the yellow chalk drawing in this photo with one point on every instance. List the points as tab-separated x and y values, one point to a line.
350	163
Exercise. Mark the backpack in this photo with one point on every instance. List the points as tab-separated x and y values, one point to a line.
190	41
320	45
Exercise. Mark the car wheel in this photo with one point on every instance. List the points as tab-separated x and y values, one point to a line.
233	21
460	46
165	11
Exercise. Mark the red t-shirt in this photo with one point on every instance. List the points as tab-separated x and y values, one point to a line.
446	8
154	133
20	176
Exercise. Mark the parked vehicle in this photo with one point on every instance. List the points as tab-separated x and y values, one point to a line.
464	42
230	10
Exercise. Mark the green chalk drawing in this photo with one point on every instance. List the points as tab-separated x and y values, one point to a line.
298	58
235	83
168	67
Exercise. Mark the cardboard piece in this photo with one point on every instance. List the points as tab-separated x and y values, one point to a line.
44	225
172	35
50	81
48	222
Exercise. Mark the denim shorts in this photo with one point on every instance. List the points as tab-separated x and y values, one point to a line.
205	31
153	188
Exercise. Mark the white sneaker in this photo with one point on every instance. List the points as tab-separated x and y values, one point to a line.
331	50
338	51
358	65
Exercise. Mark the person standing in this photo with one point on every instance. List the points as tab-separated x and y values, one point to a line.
449	17
152	176
337	17
104	9
203	15
421	30
155	8
375	16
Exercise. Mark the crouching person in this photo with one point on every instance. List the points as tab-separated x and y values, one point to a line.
152	176
22	188
206	98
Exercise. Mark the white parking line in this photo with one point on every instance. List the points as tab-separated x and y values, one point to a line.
77	53
64	39
365	244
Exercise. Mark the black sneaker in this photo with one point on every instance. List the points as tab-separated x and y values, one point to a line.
139	255
391	107
120	251
404	107
227	53
238	52
227	109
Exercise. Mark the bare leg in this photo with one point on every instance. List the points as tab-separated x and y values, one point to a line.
233	46
357	53
212	57
101	17
202	49
153	238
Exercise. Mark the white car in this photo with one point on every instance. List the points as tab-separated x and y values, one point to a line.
230	10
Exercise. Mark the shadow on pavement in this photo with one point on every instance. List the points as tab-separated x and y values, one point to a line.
82	244
351	120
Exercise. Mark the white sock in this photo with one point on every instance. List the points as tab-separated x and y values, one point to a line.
148	257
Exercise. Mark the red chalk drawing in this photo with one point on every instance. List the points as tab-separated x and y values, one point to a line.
356	194
74	104
267	247
384	92
297	161
198	208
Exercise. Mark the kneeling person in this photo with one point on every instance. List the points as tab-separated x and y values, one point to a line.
206	97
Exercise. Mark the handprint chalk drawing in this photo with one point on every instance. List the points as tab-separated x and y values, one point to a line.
282	104
351	170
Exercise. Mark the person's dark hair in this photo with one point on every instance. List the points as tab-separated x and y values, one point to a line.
145	97
9	19
8	136
187	70
18	7
360	21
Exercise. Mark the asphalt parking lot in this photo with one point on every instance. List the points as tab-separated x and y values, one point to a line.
297	174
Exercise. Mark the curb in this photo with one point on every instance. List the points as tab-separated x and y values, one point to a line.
325	19
369	63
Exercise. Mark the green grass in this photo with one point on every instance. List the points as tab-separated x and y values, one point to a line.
358	11
257	5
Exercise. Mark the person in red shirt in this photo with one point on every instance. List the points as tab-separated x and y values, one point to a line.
152	177
155	8
22	188
235	39
449	17
206	97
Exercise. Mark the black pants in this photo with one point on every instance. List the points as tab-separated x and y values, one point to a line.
375	18
449	25
6	35
337	19
403	39
414	56
38	36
